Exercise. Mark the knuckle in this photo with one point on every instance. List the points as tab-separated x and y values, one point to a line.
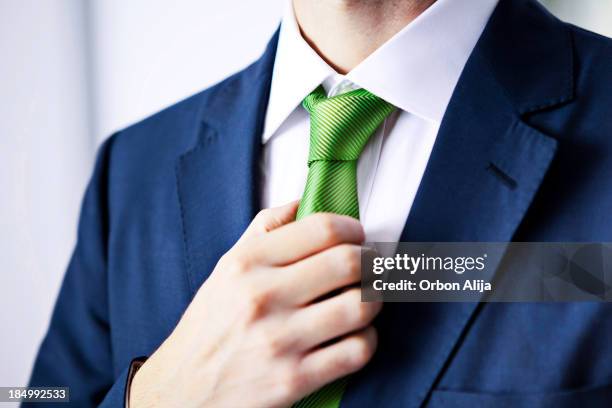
275	344
256	300
262	217
328	227
362	310
363	313
351	260
363	351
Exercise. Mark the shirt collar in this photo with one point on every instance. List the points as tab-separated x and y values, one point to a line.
416	70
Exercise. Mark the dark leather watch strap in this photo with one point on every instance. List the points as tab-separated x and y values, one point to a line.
135	365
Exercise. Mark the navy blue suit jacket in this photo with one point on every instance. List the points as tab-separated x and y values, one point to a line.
524	153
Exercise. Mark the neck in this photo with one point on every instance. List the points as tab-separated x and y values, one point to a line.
345	32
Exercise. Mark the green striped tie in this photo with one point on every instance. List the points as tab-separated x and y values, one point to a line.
339	130
340	127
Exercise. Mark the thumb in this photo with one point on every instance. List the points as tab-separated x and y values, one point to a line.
271	218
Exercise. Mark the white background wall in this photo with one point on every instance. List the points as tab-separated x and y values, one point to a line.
595	15
45	155
150	53
72	72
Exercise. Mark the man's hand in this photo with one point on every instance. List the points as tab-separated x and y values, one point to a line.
263	330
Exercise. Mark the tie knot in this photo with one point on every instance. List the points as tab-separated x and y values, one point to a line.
340	126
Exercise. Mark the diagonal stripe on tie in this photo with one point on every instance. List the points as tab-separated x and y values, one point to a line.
339	130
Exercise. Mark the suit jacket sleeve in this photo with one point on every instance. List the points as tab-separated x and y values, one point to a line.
76	351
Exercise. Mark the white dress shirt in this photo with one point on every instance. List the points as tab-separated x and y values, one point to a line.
416	70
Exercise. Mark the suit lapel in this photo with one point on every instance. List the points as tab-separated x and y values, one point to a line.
217	179
484	171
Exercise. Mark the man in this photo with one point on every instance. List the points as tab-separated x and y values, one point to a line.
448	120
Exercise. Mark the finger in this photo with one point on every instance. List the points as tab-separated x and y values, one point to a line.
297	240
331	269
271	218
327	364
328	319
